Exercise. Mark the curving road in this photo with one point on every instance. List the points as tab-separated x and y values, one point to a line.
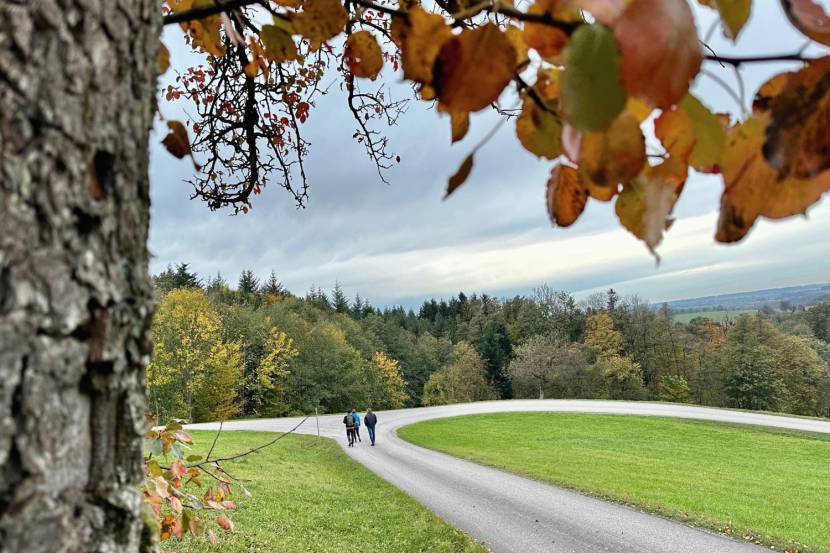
514	514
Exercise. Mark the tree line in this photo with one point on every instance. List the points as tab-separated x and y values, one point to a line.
258	350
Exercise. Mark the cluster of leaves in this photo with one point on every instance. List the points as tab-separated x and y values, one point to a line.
594	78
173	487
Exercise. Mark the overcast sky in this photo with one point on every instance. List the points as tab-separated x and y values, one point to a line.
400	243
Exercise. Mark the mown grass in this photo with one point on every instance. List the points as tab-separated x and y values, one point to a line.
768	484
309	496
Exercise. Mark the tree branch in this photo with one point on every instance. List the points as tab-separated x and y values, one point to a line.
770	58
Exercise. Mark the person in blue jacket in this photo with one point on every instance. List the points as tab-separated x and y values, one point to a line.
371	420
356	418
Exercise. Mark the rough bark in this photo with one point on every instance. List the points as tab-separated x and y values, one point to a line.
77	86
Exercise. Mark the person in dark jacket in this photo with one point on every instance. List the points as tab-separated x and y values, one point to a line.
371	420
356	424
348	420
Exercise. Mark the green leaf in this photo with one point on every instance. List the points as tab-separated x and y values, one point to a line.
592	95
733	14
193	458
709	132
177	451
153	446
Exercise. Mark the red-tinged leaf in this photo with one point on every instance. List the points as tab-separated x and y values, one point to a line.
229	505
225	523
548	41
808	17
604	11
460	176
178	468
162	487
660	50
184	437
211	504
566	196
798	136
175	503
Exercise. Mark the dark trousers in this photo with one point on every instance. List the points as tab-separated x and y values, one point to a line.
357	433
350	436
371	430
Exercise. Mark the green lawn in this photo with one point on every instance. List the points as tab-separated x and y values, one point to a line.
308	495
719	316
770	484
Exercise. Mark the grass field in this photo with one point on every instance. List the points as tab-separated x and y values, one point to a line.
714	315
744	481
308	495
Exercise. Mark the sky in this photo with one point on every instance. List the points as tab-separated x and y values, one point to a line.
401	243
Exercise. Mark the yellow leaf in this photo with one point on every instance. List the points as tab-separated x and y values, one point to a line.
798	136
644	205
539	130
615	155
566	196
516	37
473	68
733	14
363	54
279	46
204	33
752	187
420	38
320	20
660	49
768	92
709	132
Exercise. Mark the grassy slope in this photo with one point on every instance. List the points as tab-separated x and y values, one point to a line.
714	315
771	484
308	495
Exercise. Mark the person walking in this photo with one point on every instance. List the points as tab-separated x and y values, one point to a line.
348	420
356	417
371	420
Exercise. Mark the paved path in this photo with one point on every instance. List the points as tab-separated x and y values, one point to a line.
514	514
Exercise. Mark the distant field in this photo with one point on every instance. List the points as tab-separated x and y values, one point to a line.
768	484
308	495
715	315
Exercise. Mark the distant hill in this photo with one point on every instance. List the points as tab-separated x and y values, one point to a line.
795	295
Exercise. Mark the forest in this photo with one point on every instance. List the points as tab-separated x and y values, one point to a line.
257	350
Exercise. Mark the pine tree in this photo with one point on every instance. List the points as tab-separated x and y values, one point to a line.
357	307
248	283
184	278
338	299
273	286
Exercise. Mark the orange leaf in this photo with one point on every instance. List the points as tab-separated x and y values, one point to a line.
365	58
798	136
660	50
460	176
164	58
546	40
566	196
616	154
224	522
459	125
473	68
320	20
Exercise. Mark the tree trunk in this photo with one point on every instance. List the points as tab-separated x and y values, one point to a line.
77	87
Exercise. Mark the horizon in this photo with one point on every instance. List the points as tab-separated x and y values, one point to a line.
398	243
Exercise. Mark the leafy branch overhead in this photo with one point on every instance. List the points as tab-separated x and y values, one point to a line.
591	79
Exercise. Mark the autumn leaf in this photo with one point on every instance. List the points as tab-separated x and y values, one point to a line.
752	187
177	141
566	196
709	133
604	11
473	68
164	58
599	192
539	130
644	205
516	37
459	125
660	51
548	41
808	17
420	38
460	176
320	20
224	522
591	93
768	92
279	46
733	14
615	155
365	58
204	32
798	136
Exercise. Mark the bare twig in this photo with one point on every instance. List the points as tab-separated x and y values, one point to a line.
215	439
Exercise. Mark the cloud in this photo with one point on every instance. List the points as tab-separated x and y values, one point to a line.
401	242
